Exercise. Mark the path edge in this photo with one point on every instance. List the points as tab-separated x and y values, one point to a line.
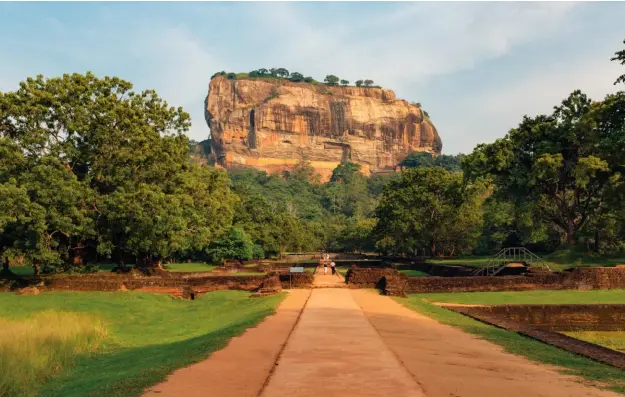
401	362
286	341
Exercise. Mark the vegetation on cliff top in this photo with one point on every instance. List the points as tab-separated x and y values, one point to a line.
295	77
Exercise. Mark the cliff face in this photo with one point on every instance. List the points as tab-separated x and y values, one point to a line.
273	125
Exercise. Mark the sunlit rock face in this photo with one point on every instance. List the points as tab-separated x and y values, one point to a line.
273	125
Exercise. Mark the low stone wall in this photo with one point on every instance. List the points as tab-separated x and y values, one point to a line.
604	317
541	321
415	285
579	278
175	286
394	285
296	280
368	277
596	277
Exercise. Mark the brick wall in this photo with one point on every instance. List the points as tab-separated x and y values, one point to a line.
367	277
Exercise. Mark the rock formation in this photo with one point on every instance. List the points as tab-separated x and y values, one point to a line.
274	124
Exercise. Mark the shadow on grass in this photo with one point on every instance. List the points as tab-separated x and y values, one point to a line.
129	372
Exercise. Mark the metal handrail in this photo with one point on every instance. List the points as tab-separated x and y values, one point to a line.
507	255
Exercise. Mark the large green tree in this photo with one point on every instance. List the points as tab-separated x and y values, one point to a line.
429	207
111	170
564	164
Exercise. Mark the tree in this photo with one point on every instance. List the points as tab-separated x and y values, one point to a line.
368	83
110	170
428	207
344	82
282	72
308	79
560	163
619	56
331	79
236	245
424	159
359	83
296	77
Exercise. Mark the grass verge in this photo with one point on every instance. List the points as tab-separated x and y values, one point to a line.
545	297
414	273
614	340
150	335
598	374
189	267
36	348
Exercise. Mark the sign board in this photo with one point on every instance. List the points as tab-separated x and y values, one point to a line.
296	270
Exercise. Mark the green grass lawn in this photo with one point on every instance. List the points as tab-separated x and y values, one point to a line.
189	267
414	273
528	297
614	340
149	335
476	261
600	374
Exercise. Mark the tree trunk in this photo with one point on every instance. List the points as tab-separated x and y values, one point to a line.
5	264
433	247
596	240
570	232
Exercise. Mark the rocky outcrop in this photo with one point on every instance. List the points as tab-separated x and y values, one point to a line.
274	124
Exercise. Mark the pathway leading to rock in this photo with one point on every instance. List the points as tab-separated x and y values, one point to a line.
346	343
328	280
334	351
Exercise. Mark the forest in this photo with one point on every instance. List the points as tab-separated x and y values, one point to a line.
92	171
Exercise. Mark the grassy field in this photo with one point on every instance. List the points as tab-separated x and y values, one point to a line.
32	349
414	273
527	297
600	374
149	335
189	267
614	340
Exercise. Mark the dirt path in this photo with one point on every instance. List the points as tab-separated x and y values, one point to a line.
334	351
449	362
328	280
242	367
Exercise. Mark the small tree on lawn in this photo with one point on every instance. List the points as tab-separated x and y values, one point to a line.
236	245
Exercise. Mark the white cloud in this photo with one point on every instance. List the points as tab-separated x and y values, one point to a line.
413	42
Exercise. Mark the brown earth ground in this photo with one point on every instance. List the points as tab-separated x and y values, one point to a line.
358	343
242	367
446	361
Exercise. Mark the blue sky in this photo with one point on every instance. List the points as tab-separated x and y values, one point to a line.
477	68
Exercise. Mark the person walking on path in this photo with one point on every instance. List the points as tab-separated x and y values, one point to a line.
325	268
333	265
